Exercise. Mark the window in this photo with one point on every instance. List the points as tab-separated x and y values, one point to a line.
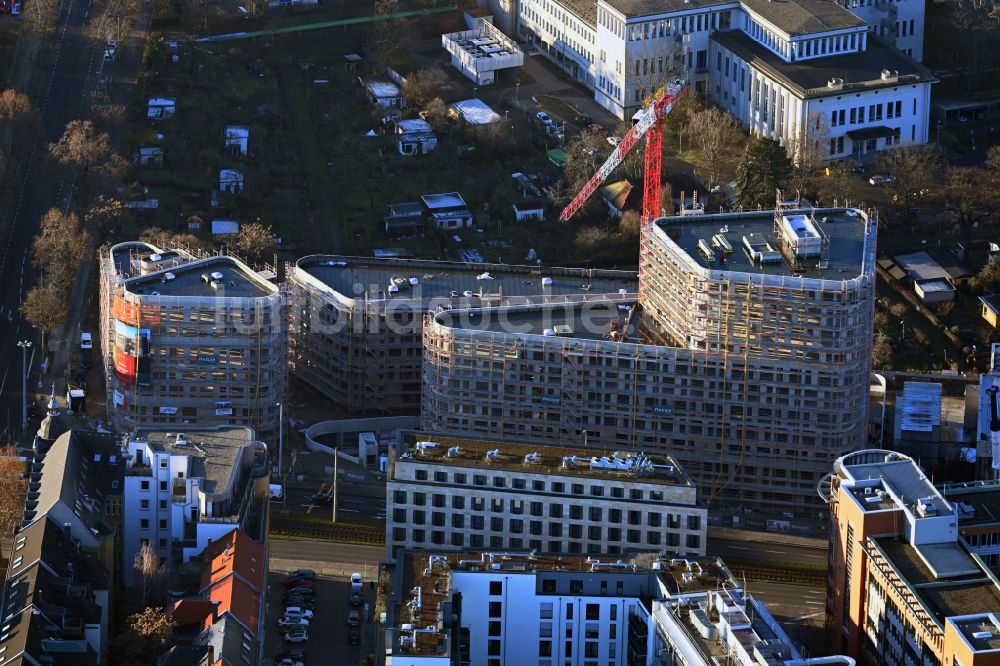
499	482
438	501
421	474
693	541
494	648
144	484
399	496
544	648
460	478
496	609
577	488
144	524
479	479
694	522
548	587
555	511
163	486
591	649
494	628
163	463
163	524
144	504
420	499
457	502
593	611
575	587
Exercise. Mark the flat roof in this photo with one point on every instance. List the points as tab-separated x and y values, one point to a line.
443	200
238	281
356	277
804	17
846	234
214	452
809	78
382	88
906	479
475	111
632	8
921	266
598	463
977	502
585	10
981	631
593	320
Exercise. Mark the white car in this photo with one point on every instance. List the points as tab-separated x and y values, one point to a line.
86	341
296	637
875	181
297	613
544	117
614	140
292	622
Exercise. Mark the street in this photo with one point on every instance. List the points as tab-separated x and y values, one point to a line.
73	56
763	550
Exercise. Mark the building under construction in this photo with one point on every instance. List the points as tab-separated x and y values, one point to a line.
190	341
746	356
355	323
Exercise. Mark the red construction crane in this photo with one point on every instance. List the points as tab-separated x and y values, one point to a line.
649	125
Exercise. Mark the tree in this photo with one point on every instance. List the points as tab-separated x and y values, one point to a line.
913	171
386	30
422	86
436	114
145	636
881	350
630	224
109	215
115	20
14	485
590	239
969	193
166	240
42	15
15	113
675	124
254	241
45	307
764	169
61	245
718	138
81	145
582	155
988	278
149	578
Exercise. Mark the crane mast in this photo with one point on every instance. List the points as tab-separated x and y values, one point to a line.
650	127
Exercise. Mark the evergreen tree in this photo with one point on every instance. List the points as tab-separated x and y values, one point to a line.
765	168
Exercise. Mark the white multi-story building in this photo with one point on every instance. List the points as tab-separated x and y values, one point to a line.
184	490
626	49
447	493
520	609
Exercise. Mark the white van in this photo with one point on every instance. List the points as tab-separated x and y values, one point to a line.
276	490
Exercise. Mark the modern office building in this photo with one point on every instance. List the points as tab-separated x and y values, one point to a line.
747	358
355	323
784	62
446	493
520	608
184	490
904	588
190	341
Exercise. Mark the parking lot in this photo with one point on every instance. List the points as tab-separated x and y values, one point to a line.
328	630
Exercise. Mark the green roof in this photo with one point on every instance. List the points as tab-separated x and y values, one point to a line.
557	157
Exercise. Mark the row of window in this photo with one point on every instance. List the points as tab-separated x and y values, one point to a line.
537	485
535	527
672	540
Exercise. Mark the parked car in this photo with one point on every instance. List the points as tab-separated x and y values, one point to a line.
297	655
300	589
357	599
296	637
320	499
303	573
298	582
876	181
86	341
308	604
296	623
288	662
544	117
356	580
354	618
298	612
354	637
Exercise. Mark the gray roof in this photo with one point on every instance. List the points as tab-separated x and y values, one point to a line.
804	17
227	637
215	453
238	280
79	471
809	78
585	10
632	8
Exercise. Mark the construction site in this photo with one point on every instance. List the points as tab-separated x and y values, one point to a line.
355	323
746	356
190	340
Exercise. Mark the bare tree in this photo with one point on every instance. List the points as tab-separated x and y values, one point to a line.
385	30
254	241
582	155
719	140
630	224
109	215
46	307
166	240
969	194
42	15
81	145
150	578
61	245
115	19
14	486
145	636
913	170
15	113
422	86
436	114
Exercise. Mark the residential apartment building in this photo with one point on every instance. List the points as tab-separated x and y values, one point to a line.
447	493
190	341
527	609
903	587
186	490
747	360
626	50
355	323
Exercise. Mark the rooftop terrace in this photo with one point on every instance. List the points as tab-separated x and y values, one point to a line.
214	277
594	463
448	282
757	245
214	452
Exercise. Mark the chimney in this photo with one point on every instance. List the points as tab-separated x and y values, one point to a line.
66	532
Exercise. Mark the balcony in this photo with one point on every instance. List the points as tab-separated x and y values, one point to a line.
138	470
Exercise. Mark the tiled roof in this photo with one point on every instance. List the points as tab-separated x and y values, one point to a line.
192	611
233	575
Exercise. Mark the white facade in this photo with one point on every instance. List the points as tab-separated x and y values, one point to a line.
898	22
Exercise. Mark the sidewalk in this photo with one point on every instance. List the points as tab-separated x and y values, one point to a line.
765	537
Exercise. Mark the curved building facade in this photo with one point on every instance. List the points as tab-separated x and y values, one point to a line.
747	357
190	341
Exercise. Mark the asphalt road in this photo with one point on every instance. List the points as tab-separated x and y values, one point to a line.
350	502
749	550
74	56
327	553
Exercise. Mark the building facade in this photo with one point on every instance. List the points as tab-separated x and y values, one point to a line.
520	608
190	342
355	323
626	50
448	493
748	365
904	588
185	490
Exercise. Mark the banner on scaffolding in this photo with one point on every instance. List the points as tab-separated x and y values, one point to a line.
131	354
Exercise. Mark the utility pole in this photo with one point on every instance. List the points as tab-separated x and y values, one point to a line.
281	437
24	345
336	455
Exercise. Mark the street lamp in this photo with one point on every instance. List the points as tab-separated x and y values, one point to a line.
25	345
517	88
902	330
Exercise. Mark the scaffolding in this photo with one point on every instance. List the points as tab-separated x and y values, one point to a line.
754	382
181	359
